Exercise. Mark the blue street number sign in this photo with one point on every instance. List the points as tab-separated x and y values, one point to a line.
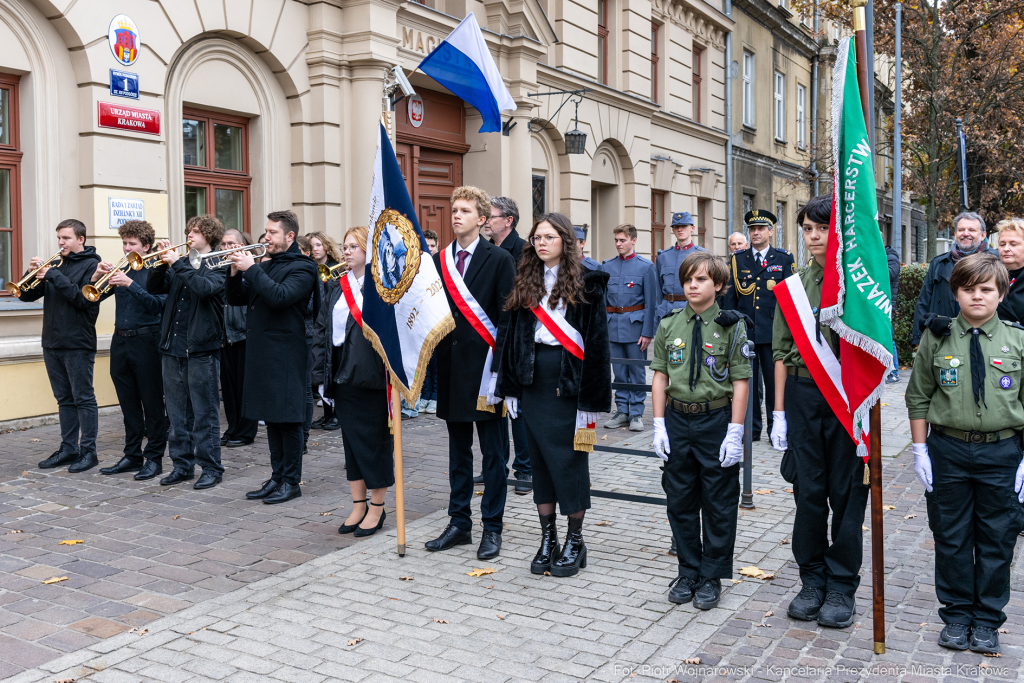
124	84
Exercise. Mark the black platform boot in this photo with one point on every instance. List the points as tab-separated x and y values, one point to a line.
574	553
548	545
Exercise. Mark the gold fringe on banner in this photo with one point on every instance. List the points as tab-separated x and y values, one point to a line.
481	404
584	440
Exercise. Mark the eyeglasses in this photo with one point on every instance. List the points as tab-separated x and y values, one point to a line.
543	239
350	247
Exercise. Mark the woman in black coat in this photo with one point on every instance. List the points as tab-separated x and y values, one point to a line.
325	253
559	393
357	383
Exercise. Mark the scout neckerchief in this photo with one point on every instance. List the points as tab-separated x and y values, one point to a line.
477	317
572	341
353	296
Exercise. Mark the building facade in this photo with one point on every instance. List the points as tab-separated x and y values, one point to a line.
166	109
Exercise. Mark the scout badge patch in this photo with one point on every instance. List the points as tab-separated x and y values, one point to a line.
948	376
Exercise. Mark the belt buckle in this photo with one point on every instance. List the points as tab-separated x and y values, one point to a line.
696	408
977	437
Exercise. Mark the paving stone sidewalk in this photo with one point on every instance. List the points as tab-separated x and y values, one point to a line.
353	615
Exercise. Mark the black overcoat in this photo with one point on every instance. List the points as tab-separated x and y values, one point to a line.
461	354
360	365
276	292
587	380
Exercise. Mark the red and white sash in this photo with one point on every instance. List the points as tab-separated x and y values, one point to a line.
572	341
477	317
353	296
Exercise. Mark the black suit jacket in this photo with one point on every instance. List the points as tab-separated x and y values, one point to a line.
758	306
513	244
461	354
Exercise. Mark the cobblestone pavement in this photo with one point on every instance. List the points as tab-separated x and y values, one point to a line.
364	614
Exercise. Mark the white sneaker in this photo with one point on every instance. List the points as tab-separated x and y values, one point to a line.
431	407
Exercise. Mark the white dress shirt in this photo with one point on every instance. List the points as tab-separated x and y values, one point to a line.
760	256
340	316
471	248
540	333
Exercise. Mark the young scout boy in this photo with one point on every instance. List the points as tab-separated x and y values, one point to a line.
700	399
818	448
967	385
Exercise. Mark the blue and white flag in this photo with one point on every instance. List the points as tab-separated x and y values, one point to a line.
463	64
405	310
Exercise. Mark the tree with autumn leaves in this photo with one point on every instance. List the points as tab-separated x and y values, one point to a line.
961	59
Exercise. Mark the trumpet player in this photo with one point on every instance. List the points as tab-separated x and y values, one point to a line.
135	359
69	343
191	333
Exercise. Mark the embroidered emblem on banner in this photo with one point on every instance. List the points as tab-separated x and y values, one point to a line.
398	255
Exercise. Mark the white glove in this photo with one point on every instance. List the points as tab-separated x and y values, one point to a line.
661	445
512	406
1018	484
923	467
731	451
779	441
491	398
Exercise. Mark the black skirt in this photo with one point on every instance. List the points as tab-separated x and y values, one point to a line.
369	445
560	473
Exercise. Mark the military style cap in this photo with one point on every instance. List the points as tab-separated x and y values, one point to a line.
581	234
682	218
760	217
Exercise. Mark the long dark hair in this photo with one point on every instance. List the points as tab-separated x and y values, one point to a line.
528	288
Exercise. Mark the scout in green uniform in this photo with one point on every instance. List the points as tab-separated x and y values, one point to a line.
820	457
701	362
967	385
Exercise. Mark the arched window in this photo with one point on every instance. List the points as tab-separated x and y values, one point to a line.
216	158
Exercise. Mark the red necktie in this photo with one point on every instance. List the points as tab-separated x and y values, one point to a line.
461	265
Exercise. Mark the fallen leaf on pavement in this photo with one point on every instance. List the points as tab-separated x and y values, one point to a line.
1004	630
491	586
482	572
146	630
325	514
176	517
547	573
863	528
784	541
70	542
885	404
756	573
302	483
788	490
395	599
65	680
25	473
735	580
602	524
35	440
604	438
984	665
478	493
909	516
763	491
16	531
405	578
354	641
440	621
768	614
762	625
993	654
55	579
888	507
692	660
500	617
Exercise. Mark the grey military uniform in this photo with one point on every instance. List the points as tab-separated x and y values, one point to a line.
632	298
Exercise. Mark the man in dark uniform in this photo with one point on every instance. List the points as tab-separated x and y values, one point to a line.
755	272
581	239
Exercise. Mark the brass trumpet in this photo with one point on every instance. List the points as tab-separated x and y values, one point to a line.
219	259
30	281
328	273
93	292
153	258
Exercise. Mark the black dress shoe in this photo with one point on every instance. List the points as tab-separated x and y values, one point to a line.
207	481
490	546
708	593
150	470
269	486
361	532
125	464
283	493
672	549
984	640
524	484
574	552
318	424
86	461
224	441
449	538
806	605
955	636
331	425
349	528
681	590
478	479
548	545
176	477
838	611
58	459
236	443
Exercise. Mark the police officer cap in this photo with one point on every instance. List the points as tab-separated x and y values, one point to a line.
682	218
580	232
760	217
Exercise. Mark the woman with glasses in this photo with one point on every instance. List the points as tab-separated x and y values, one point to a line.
554	369
357	383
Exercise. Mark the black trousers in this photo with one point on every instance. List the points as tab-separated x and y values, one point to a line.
460	473
232	383
763	364
285	441
135	370
702	495
975	517
829	475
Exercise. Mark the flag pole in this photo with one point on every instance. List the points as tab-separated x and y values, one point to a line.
865	82
396	421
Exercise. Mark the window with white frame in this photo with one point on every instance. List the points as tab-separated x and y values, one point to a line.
780	107
749	117
780	225
801	116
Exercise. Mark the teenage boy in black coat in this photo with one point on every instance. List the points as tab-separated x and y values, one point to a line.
277	292
191	332
488	272
69	345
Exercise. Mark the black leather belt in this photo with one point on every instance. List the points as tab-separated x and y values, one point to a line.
977	437
148	329
704	407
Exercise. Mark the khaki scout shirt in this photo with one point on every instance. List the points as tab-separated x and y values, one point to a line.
783	346
672	355
940	386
